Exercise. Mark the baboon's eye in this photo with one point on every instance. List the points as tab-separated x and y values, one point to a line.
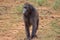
25	7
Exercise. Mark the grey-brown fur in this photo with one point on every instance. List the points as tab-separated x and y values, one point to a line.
30	17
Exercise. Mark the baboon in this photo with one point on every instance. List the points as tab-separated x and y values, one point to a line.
31	17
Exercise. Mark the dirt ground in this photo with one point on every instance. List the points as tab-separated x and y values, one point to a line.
12	25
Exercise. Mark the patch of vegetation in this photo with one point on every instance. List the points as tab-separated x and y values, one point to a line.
56	4
55	25
40	2
19	8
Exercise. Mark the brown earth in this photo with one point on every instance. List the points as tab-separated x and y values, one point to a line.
12	25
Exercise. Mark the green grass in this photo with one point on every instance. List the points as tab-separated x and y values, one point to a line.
56	4
40	2
56	26
19	8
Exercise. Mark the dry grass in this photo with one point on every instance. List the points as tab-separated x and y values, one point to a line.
12	25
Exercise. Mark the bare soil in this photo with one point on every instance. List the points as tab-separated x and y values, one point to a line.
12	25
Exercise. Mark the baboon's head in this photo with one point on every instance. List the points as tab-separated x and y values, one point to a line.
27	8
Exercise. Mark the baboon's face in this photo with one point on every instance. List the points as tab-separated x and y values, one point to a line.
26	9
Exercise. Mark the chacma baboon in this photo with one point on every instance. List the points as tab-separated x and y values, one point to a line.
30	17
